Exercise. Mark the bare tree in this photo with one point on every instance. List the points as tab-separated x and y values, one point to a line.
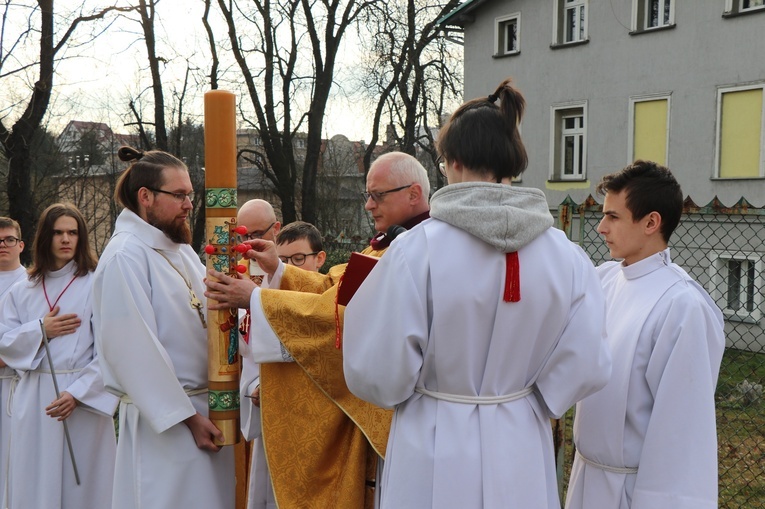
181	136
339	187
214	66
270	42
413	70
147	10
16	140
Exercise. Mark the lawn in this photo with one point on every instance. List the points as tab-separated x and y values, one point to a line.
740	433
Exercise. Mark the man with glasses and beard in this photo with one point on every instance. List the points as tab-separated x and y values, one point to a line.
149	319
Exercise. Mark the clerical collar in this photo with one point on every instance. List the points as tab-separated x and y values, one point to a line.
382	241
646	265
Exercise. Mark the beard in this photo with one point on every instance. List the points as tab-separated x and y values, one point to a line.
178	232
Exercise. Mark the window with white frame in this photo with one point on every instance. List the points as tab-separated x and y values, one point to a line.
743	6
649	14
740	132
507	30
736	284
569	142
570	21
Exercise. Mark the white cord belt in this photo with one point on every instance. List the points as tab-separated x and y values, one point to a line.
189	392
15	380
11	391
607	468
475	400
58	371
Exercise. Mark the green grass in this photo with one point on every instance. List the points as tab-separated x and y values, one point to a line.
740	434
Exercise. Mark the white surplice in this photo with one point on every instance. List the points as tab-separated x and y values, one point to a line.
153	351
41	473
7	375
260	492
657	413
431	315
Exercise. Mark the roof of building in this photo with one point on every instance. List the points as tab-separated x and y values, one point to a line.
461	15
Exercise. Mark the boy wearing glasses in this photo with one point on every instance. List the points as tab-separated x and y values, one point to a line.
300	244
11	272
11	247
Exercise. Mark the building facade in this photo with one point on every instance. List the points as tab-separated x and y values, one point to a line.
679	82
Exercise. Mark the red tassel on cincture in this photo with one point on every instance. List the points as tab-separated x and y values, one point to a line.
512	278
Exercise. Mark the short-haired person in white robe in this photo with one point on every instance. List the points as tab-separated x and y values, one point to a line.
648	440
478	326
152	339
58	292
11	272
259	218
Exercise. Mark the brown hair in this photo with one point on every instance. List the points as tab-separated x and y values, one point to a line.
484	137
43	262
7	222
648	187
300	230
144	171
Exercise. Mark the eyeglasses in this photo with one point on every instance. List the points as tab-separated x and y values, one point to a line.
297	259
441	165
9	241
377	197
258	234
180	197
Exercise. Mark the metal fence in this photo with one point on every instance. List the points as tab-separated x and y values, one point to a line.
723	248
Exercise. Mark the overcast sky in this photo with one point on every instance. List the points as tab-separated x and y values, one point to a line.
95	82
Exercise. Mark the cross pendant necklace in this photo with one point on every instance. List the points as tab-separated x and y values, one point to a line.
194	301
197	304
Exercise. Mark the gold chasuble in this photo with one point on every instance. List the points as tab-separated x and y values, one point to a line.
322	443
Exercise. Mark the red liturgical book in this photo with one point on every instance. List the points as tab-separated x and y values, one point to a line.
359	266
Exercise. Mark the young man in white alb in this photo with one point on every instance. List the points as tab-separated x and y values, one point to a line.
58	295
648	439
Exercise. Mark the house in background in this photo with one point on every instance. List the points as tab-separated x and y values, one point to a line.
92	168
339	183
608	82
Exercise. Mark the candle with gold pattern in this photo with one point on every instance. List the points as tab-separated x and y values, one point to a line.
220	223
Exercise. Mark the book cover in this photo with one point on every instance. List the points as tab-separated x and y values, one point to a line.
359	266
